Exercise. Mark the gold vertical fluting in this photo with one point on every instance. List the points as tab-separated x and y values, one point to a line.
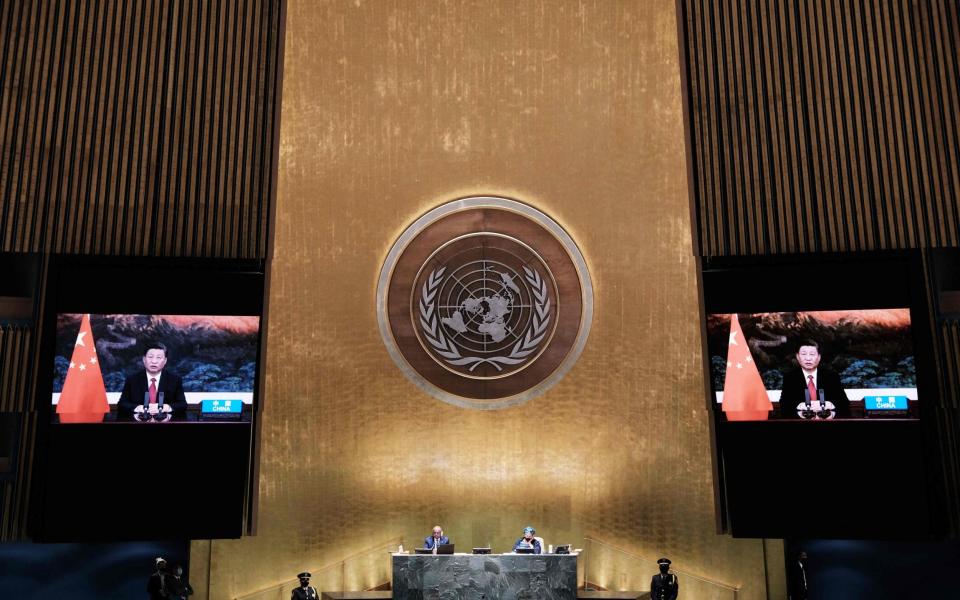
391	108
138	128
823	126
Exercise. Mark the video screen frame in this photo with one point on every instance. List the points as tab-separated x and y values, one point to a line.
742	450
856	363
117	463
105	363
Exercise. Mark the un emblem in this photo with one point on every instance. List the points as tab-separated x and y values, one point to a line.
484	302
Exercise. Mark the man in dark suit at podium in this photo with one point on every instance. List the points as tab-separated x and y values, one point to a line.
435	538
153	380
811	378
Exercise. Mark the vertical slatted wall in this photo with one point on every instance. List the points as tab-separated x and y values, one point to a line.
17	370
144	128
137	128
823	125
829	126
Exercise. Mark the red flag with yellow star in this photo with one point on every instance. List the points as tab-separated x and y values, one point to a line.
84	397
744	395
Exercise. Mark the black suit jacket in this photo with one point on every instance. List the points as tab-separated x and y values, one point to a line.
157	586
136	386
794	384
796	581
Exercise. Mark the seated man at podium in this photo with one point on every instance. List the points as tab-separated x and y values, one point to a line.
435	539
809	380
529	541
153	380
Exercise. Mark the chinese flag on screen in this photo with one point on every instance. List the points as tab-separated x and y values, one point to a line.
744	396
84	397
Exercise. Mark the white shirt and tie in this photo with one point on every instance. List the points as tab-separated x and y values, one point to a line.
154	380
810	379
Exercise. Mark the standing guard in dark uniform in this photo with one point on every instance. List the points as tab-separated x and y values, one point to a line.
664	585
305	591
178	588
797	578
157	584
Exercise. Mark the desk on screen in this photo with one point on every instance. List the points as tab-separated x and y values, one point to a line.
491	576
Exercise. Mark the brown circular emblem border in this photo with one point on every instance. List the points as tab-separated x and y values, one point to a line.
522	259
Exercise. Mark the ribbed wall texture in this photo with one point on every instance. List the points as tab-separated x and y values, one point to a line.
17	370
130	129
823	125
16	345
138	128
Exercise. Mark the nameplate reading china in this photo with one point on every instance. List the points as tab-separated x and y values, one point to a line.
484	302
885	402
221	406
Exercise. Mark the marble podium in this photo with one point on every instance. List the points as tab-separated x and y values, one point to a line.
485	577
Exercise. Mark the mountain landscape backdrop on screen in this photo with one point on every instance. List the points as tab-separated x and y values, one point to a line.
868	348
210	353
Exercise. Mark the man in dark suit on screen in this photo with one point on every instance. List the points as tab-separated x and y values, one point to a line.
809	380
153	380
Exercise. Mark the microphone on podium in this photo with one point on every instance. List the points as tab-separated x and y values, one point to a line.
807	412
824	411
145	415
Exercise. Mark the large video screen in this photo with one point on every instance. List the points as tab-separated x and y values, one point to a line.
814	365
154	368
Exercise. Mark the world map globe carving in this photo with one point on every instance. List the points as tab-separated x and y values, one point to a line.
484	302
486	314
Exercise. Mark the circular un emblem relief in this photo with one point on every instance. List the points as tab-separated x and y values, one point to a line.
484	302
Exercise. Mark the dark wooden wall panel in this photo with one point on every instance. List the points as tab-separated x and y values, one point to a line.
138	128
17	377
822	125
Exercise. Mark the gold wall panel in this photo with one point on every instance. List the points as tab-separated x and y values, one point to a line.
391	108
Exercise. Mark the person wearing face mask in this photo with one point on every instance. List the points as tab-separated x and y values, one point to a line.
305	591
177	586
529	541
153	380
808	380
664	585
435	539
159	582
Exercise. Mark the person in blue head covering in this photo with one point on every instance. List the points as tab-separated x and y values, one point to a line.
529	541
